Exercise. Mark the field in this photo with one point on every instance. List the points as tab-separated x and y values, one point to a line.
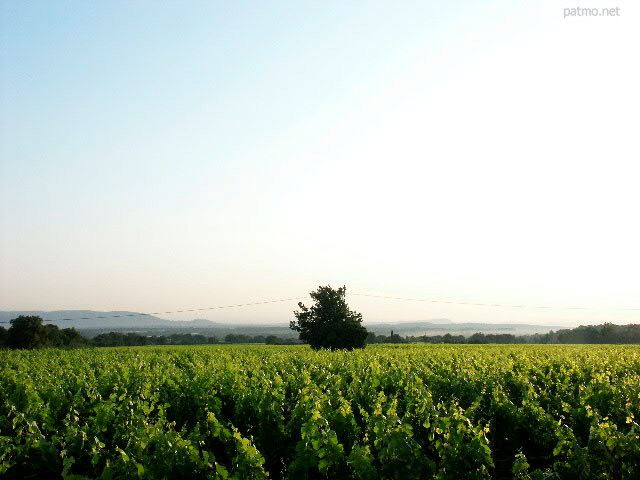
387	412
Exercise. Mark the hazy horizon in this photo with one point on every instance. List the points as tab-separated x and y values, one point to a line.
190	154
119	320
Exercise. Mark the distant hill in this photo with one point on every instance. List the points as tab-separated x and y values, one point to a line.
114	319
91	323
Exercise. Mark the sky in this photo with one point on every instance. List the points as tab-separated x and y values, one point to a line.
158	156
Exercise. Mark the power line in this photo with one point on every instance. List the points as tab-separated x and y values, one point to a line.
218	307
387	297
501	305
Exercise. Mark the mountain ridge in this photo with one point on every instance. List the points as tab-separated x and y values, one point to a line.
126	320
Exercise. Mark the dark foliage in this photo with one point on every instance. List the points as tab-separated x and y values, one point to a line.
393	338
329	323
28	332
269	339
606	333
118	339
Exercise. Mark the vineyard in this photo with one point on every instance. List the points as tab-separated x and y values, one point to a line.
386	412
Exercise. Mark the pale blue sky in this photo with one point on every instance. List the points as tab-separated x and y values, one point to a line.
164	155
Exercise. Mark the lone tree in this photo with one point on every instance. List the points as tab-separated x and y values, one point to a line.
329	323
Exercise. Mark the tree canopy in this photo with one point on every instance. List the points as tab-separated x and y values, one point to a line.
329	323
29	332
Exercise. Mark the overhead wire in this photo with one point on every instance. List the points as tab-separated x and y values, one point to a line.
217	307
387	297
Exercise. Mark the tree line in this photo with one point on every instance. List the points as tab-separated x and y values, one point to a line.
29	332
607	333
117	339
